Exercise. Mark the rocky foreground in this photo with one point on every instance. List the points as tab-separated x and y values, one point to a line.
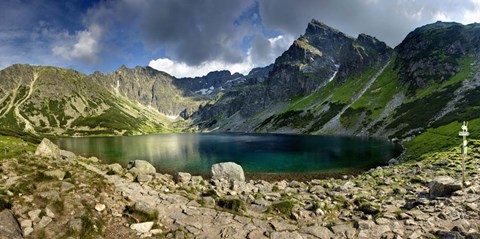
57	194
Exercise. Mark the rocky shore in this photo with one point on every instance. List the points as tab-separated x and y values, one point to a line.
57	194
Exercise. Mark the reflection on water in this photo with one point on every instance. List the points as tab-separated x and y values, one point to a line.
257	153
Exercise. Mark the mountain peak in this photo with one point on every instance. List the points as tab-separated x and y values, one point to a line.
316	27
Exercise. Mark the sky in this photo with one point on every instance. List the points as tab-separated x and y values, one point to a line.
193	37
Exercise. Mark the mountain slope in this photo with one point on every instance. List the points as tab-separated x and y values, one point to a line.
312	62
325	83
430	84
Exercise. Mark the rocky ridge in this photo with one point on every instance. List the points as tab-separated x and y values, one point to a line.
90	199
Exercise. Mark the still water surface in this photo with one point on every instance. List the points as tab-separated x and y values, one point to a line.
256	153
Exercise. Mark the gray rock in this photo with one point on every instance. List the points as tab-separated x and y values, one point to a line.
137	167
318	231
286	235
59	174
141	178
230	171
44	222
48	149
93	159
26	223
66	186
75	225
144	207
256	234
9	226
196	180
115	168
27	231
67	154
100	207
443	186
49	212
50	195
143	227
180	177
392	161
34	215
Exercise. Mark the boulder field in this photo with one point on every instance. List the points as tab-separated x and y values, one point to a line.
57	194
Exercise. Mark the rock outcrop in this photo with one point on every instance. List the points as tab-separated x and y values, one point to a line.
138	167
9	226
48	149
230	171
444	186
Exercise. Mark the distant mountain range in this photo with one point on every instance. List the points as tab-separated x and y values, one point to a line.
326	83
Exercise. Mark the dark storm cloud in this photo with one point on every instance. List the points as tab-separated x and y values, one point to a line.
389	21
196	31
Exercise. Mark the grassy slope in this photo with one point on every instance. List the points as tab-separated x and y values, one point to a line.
13	147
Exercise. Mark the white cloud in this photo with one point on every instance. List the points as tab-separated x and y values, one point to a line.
441	16
181	69
472	15
273	48
85	47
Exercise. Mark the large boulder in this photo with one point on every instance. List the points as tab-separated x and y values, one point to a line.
443	186
180	177
137	167
229	170
9	226
48	149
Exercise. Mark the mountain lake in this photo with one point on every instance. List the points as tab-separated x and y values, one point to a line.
265	156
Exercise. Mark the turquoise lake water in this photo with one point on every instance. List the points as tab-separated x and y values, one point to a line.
256	153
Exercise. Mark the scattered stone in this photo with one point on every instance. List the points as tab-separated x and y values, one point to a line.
100	207
230	171
443	186
59	174
143	227
137	167
93	159
66	186
9	226
44	222
392	161
115	168
144	207
318	231
51	195
27	231
48	149
49	212
34	215
156	231
26	223
196	180
180	177
256	234
286	235
75	224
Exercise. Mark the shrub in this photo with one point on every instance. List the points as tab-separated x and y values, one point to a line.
284	208
235	205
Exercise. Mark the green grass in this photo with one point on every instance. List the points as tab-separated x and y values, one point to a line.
14	147
465	72
234	205
380	92
139	216
440	139
284	207
353	85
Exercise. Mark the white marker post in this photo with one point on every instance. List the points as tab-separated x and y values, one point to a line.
464	133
